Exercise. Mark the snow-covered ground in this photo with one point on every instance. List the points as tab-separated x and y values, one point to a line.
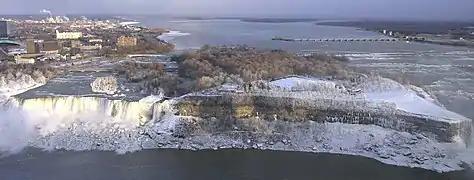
375	89
405	98
11	88
85	131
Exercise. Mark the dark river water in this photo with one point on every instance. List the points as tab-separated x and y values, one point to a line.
446	71
207	165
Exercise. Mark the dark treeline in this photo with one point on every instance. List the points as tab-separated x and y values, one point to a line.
251	64
213	66
152	77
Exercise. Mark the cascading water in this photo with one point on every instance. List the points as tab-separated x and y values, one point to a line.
81	123
133	112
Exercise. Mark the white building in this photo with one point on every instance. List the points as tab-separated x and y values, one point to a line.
68	35
91	47
384	31
95	40
23	60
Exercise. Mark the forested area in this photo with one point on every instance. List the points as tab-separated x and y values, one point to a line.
213	66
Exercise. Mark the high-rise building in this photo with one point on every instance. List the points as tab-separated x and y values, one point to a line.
5	28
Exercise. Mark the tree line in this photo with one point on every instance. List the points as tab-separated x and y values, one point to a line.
213	66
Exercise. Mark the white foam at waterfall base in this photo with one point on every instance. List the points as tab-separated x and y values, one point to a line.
15	131
80	123
15	128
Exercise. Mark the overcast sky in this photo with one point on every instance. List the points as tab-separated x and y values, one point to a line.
419	9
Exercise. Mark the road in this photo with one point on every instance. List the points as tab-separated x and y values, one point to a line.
3	53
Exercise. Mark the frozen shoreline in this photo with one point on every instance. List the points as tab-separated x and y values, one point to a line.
5	94
92	131
384	145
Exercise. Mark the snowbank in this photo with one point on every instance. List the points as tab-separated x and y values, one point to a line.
11	88
301	83
152	99
375	89
406	99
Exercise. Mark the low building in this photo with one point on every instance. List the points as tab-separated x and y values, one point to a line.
68	35
91	47
124	41
95	41
33	46
24	60
50	47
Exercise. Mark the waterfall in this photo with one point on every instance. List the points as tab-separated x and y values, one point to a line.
136	113
80	123
164	118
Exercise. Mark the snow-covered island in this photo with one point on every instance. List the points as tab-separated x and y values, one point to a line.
373	100
105	85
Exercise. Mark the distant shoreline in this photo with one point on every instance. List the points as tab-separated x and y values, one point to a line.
423	32
256	20
278	20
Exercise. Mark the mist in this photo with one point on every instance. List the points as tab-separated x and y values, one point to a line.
347	9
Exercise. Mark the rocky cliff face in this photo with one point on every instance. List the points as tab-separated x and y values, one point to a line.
251	112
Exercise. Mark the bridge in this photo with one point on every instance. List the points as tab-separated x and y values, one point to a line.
338	39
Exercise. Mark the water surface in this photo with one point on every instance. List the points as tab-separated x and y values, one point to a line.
223	164
447	71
